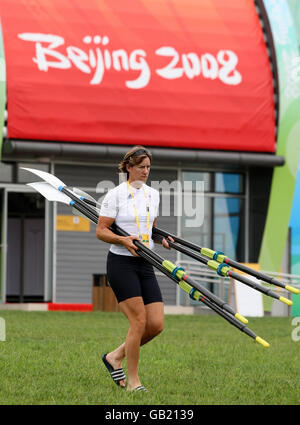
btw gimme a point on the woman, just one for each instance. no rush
(134, 207)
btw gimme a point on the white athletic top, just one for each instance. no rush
(118, 204)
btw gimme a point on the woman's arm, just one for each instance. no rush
(104, 233)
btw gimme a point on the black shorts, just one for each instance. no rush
(132, 277)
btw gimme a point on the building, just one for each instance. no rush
(199, 86)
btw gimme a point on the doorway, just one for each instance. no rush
(25, 247)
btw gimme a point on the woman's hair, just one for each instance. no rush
(134, 157)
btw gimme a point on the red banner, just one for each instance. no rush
(178, 73)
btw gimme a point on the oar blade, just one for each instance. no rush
(50, 193)
(49, 178)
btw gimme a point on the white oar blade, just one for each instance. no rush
(49, 178)
(50, 193)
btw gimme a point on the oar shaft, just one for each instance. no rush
(188, 279)
(225, 260)
(259, 275)
(79, 201)
(254, 285)
(231, 319)
(90, 202)
(188, 252)
(220, 257)
(258, 287)
(92, 214)
(176, 239)
(84, 211)
(143, 249)
(233, 274)
(218, 301)
(207, 293)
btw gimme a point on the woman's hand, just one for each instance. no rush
(127, 241)
(165, 242)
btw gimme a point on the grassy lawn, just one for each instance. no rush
(55, 358)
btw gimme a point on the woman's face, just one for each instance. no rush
(139, 172)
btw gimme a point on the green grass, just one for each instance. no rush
(54, 358)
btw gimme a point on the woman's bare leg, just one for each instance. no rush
(154, 325)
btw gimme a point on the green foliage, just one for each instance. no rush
(55, 358)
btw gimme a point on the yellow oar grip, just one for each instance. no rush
(286, 301)
(292, 289)
(241, 318)
(262, 342)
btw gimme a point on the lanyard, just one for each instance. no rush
(135, 208)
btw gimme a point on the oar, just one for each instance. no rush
(90, 212)
(180, 274)
(196, 295)
(224, 270)
(220, 257)
(52, 194)
(86, 198)
(61, 187)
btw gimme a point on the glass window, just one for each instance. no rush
(223, 221)
(228, 235)
(6, 173)
(200, 232)
(200, 235)
(229, 183)
(195, 176)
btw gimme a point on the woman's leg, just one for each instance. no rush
(154, 325)
(154, 321)
(135, 311)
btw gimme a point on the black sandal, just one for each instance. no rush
(116, 374)
(140, 388)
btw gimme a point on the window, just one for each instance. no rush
(6, 173)
(196, 176)
(24, 176)
(229, 183)
(223, 224)
(228, 235)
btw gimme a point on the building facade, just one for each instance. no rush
(79, 95)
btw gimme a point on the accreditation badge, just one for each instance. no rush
(145, 239)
